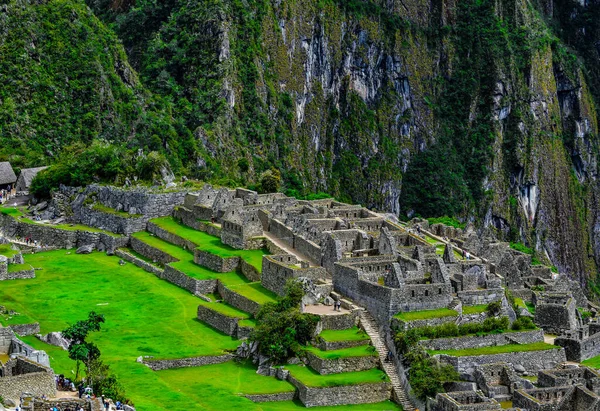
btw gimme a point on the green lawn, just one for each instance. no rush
(225, 380)
(7, 319)
(499, 349)
(186, 262)
(18, 215)
(253, 291)
(210, 243)
(426, 314)
(593, 362)
(145, 316)
(7, 251)
(474, 309)
(360, 351)
(351, 334)
(311, 378)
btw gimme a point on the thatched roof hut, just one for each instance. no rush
(26, 176)
(7, 175)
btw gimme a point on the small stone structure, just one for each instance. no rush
(582, 343)
(26, 177)
(463, 401)
(555, 312)
(20, 375)
(562, 390)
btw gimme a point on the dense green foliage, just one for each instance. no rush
(282, 329)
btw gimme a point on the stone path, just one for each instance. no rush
(288, 249)
(324, 310)
(370, 326)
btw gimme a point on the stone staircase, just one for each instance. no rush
(369, 324)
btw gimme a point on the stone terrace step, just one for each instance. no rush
(369, 324)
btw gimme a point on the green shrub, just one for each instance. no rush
(494, 308)
(522, 248)
(281, 328)
(523, 323)
(449, 221)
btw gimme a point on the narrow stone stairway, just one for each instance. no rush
(369, 324)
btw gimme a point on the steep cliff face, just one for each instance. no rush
(482, 109)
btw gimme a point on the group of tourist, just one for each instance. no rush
(64, 384)
(5, 195)
(30, 241)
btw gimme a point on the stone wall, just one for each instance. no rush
(276, 273)
(138, 262)
(189, 218)
(338, 345)
(136, 200)
(340, 321)
(170, 237)
(282, 396)
(282, 232)
(556, 317)
(56, 237)
(194, 286)
(579, 349)
(339, 365)
(64, 404)
(480, 297)
(249, 271)
(158, 365)
(238, 301)
(308, 248)
(460, 343)
(532, 361)
(151, 253)
(349, 394)
(221, 322)
(215, 262)
(22, 375)
(273, 248)
(399, 324)
(114, 223)
(26, 329)
(17, 275)
(21, 349)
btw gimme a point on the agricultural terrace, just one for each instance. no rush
(147, 316)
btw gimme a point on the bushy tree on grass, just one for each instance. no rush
(281, 328)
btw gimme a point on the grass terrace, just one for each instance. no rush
(7, 251)
(225, 309)
(107, 210)
(499, 349)
(13, 268)
(474, 309)
(593, 362)
(7, 319)
(20, 216)
(360, 351)
(351, 334)
(251, 290)
(186, 262)
(311, 378)
(426, 314)
(207, 242)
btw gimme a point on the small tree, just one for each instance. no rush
(80, 349)
(270, 181)
(282, 329)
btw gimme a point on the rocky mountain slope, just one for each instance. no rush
(477, 108)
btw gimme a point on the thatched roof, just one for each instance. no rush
(27, 175)
(7, 175)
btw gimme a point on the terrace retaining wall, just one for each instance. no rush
(17, 275)
(159, 365)
(338, 345)
(339, 365)
(215, 319)
(37, 383)
(170, 237)
(532, 361)
(349, 394)
(282, 396)
(215, 262)
(461, 343)
(56, 237)
(151, 252)
(26, 329)
(237, 300)
(138, 262)
(249, 271)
